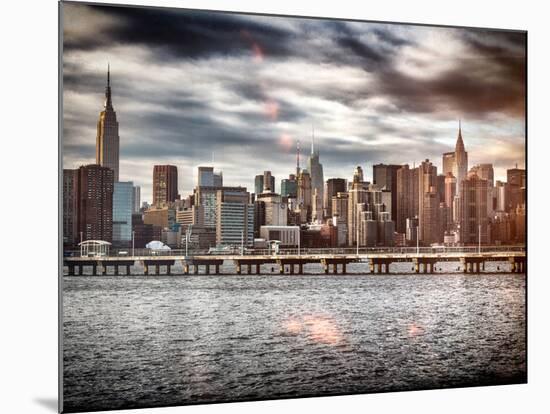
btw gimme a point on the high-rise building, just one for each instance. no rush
(485, 172)
(235, 218)
(276, 211)
(516, 176)
(165, 184)
(428, 203)
(289, 187)
(304, 196)
(516, 183)
(70, 198)
(208, 178)
(95, 202)
(264, 183)
(340, 207)
(269, 182)
(123, 198)
(407, 196)
(460, 170)
(501, 191)
(317, 181)
(332, 188)
(136, 199)
(448, 162)
(450, 193)
(385, 177)
(473, 210)
(357, 197)
(107, 139)
(206, 197)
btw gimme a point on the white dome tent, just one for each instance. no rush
(157, 245)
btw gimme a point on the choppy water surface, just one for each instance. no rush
(152, 341)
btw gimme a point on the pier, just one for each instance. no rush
(291, 261)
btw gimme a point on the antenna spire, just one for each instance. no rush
(108, 102)
(298, 158)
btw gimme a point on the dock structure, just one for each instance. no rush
(376, 261)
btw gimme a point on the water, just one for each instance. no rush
(155, 341)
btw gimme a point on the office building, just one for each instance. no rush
(95, 202)
(473, 210)
(407, 196)
(448, 163)
(485, 172)
(165, 184)
(235, 218)
(289, 187)
(136, 199)
(332, 188)
(385, 177)
(70, 202)
(107, 138)
(289, 236)
(123, 200)
(208, 178)
(315, 169)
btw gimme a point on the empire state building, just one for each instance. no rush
(107, 141)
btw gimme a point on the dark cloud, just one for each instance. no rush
(179, 33)
(235, 85)
(487, 78)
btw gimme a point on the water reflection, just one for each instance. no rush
(318, 328)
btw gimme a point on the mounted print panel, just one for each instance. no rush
(261, 207)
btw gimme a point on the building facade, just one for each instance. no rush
(123, 205)
(95, 202)
(332, 188)
(235, 219)
(107, 138)
(473, 210)
(70, 203)
(385, 177)
(165, 184)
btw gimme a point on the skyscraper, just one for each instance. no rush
(136, 199)
(448, 162)
(289, 187)
(407, 197)
(95, 202)
(269, 182)
(304, 196)
(208, 178)
(123, 198)
(70, 198)
(485, 172)
(428, 203)
(264, 183)
(333, 187)
(317, 180)
(165, 184)
(460, 170)
(516, 180)
(235, 218)
(385, 177)
(473, 210)
(107, 139)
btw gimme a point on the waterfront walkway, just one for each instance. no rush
(291, 261)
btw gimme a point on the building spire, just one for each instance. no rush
(108, 101)
(298, 158)
(312, 140)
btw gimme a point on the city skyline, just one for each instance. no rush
(192, 104)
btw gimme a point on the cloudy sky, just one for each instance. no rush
(237, 92)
